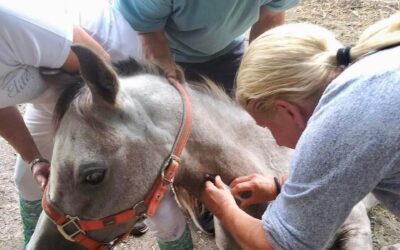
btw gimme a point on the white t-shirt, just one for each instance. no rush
(39, 34)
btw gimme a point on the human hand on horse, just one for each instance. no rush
(156, 48)
(14, 130)
(41, 172)
(262, 188)
(218, 198)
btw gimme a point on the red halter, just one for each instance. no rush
(74, 229)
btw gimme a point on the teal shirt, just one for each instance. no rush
(198, 30)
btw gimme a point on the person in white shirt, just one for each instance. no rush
(36, 34)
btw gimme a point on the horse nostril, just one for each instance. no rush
(95, 176)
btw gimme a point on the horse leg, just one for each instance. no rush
(355, 233)
(169, 226)
(47, 237)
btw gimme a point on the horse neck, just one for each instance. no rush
(225, 140)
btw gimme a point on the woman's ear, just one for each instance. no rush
(293, 112)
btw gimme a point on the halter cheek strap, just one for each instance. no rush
(74, 229)
(160, 188)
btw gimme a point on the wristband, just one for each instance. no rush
(277, 185)
(36, 161)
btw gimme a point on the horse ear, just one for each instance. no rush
(98, 75)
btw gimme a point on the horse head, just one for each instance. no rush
(110, 145)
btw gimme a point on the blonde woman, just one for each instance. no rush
(339, 109)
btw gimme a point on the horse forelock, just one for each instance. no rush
(76, 98)
(132, 67)
(68, 95)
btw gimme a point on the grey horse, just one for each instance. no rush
(115, 132)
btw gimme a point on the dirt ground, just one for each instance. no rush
(347, 18)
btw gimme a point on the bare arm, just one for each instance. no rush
(267, 20)
(247, 231)
(14, 130)
(156, 48)
(80, 36)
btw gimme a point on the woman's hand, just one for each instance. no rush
(41, 172)
(247, 231)
(262, 188)
(218, 198)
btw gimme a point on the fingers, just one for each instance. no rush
(241, 179)
(209, 185)
(251, 177)
(41, 174)
(42, 181)
(242, 187)
(170, 73)
(219, 183)
(43, 185)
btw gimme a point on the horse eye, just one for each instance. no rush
(95, 176)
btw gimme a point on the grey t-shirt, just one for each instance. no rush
(351, 147)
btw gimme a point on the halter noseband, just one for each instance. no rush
(74, 229)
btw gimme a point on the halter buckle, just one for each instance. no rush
(70, 232)
(140, 209)
(167, 164)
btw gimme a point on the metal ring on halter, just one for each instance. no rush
(140, 209)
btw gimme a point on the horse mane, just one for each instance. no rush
(209, 87)
(132, 67)
(77, 95)
(204, 85)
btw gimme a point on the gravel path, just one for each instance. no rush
(346, 17)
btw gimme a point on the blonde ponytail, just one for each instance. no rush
(381, 35)
(290, 62)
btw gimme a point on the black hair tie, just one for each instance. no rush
(343, 56)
